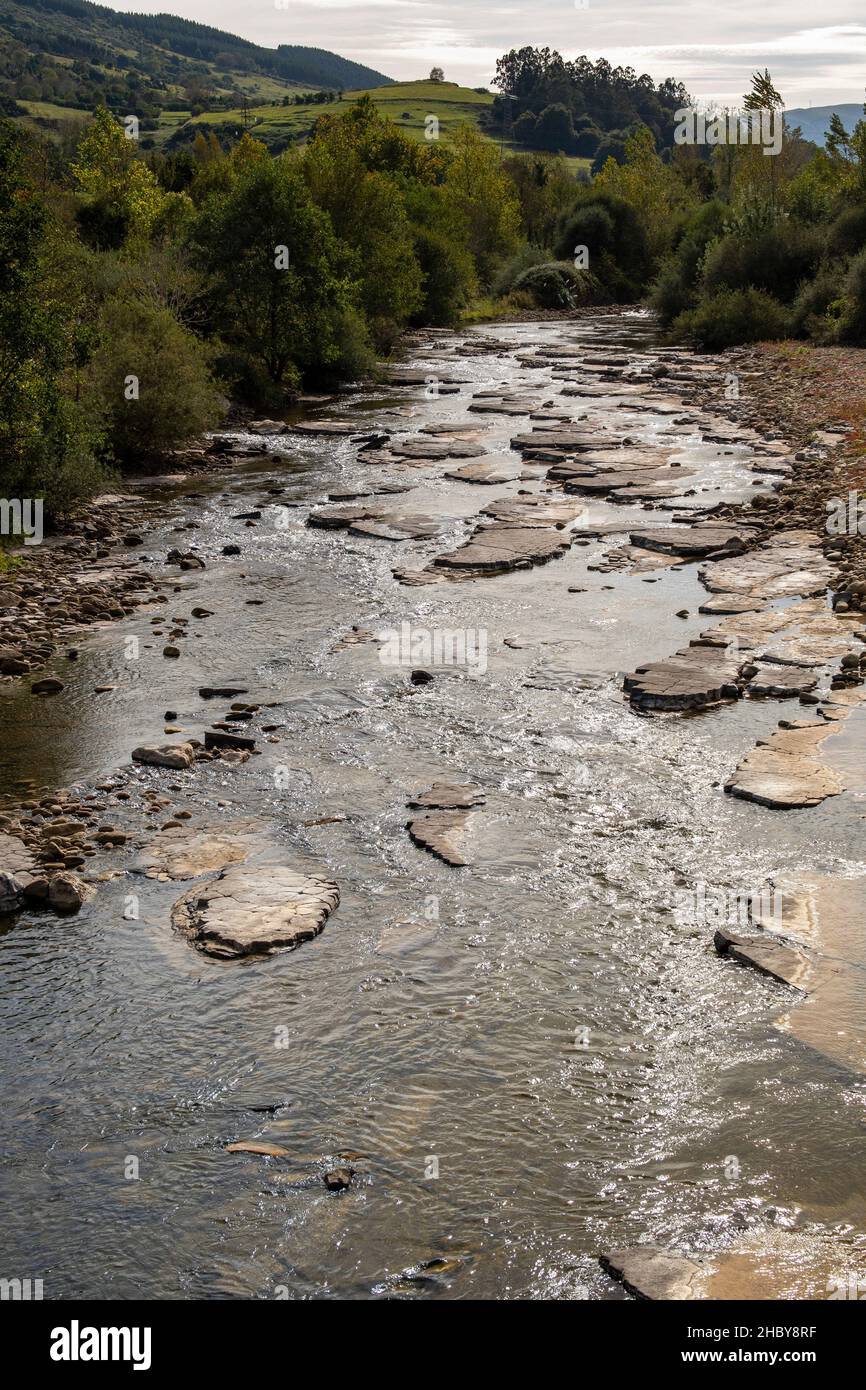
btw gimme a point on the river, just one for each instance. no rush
(527, 1060)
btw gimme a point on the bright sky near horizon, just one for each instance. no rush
(711, 48)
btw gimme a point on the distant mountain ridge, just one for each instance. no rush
(814, 121)
(70, 51)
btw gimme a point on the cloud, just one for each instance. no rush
(404, 38)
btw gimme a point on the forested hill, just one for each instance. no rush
(71, 52)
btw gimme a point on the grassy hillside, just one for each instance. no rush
(74, 54)
(408, 104)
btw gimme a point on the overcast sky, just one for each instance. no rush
(711, 47)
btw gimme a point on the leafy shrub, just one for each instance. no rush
(730, 317)
(177, 398)
(776, 259)
(852, 326)
(614, 234)
(675, 287)
(448, 277)
(847, 235)
(524, 259)
(814, 312)
(558, 285)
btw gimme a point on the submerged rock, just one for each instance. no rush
(338, 1179)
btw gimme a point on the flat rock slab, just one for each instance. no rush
(782, 960)
(649, 1272)
(255, 910)
(539, 509)
(613, 388)
(421, 376)
(460, 429)
(392, 526)
(782, 772)
(500, 547)
(790, 565)
(449, 796)
(327, 427)
(563, 439)
(506, 404)
(443, 833)
(690, 541)
(15, 858)
(340, 518)
(181, 855)
(433, 450)
(724, 605)
(781, 682)
(489, 471)
(691, 679)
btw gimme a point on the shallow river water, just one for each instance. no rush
(530, 1060)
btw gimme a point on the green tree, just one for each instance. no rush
(149, 380)
(278, 275)
(482, 201)
(121, 197)
(46, 450)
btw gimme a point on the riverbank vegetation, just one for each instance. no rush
(145, 291)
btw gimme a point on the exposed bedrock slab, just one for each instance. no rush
(326, 427)
(789, 565)
(783, 773)
(769, 1264)
(500, 546)
(561, 439)
(255, 910)
(783, 960)
(443, 833)
(375, 521)
(421, 376)
(633, 483)
(691, 679)
(181, 854)
(433, 450)
(612, 388)
(503, 403)
(697, 540)
(536, 509)
(450, 796)
(469, 430)
(648, 1271)
(393, 526)
(337, 518)
(781, 682)
(486, 471)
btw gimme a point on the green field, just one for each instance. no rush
(407, 104)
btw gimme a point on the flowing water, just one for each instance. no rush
(530, 1059)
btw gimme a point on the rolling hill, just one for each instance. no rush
(71, 54)
(814, 121)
